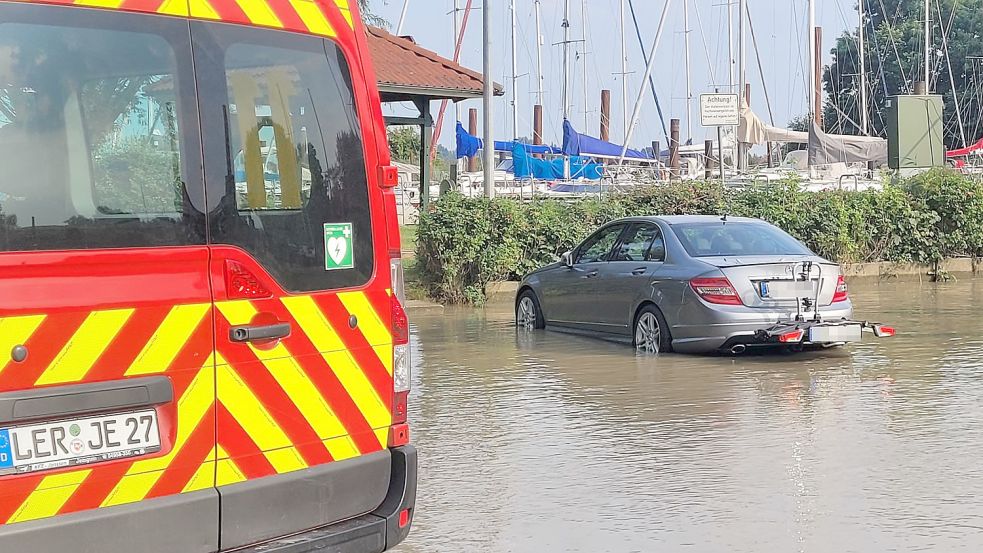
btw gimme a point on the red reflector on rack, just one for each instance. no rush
(792, 337)
(404, 518)
(882, 331)
(399, 435)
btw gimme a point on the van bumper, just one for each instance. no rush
(370, 533)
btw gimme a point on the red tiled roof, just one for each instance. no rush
(400, 62)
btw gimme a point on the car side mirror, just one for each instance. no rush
(567, 259)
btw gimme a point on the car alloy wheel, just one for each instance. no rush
(648, 333)
(526, 315)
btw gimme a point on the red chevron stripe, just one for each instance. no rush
(382, 303)
(328, 385)
(357, 346)
(47, 341)
(15, 491)
(240, 447)
(96, 488)
(190, 359)
(287, 15)
(184, 465)
(128, 344)
(148, 6)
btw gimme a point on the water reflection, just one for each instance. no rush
(549, 442)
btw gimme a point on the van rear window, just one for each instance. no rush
(91, 132)
(291, 175)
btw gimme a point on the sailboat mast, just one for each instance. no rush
(583, 17)
(457, 33)
(730, 43)
(566, 59)
(624, 71)
(928, 45)
(539, 55)
(864, 117)
(515, 79)
(689, 73)
(811, 69)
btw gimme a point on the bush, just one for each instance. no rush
(464, 244)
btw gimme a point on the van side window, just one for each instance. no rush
(90, 140)
(296, 198)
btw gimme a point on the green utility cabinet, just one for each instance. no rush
(914, 127)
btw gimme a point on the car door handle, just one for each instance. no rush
(242, 334)
(591, 274)
(639, 271)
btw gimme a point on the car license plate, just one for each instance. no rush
(787, 289)
(838, 333)
(72, 442)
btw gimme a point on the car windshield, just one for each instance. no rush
(719, 239)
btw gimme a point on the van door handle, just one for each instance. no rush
(640, 271)
(241, 334)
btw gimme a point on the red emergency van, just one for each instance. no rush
(203, 345)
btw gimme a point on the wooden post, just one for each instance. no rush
(657, 154)
(606, 115)
(426, 165)
(819, 78)
(708, 159)
(537, 124)
(674, 147)
(771, 154)
(473, 129)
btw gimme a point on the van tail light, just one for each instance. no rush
(842, 292)
(716, 290)
(242, 284)
(402, 376)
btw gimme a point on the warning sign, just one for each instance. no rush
(719, 110)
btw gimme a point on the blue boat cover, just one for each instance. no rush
(468, 145)
(575, 144)
(525, 166)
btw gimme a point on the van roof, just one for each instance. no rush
(330, 18)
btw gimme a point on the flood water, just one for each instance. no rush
(548, 442)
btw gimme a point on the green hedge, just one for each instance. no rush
(463, 244)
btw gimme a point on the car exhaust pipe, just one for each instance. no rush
(738, 349)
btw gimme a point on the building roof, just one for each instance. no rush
(405, 69)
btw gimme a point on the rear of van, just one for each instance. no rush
(203, 345)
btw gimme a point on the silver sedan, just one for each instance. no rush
(694, 284)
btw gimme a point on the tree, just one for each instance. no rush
(369, 17)
(404, 144)
(895, 59)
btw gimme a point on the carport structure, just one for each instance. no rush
(408, 73)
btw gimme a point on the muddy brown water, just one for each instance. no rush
(549, 442)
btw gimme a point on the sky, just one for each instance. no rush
(779, 26)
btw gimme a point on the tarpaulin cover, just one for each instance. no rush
(525, 166)
(575, 144)
(969, 150)
(468, 145)
(752, 130)
(825, 149)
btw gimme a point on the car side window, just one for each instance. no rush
(598, 247)
(643, 243)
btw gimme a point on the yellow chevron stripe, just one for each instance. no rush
(285, 460)
(226, 471)
(291, 377)
(85, 347)
(368, 320)
(167, 341)
(50, 496)
(248, 411)
(382, 434)
(319, 330)
(131, 488)
(114, 4)
(15, 331)
(385, 354)
(346, 11)
(202, 9)
(174, 7)
(259, 12)
(312, 16)
(204, 477)
(342, 448)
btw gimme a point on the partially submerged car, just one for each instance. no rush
(694, 284)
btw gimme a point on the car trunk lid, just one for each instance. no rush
(769, 282)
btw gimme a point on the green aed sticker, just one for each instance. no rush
(338, 251)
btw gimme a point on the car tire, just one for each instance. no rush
(650, 332)
(528, 313)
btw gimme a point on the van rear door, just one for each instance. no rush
(106, 329)
(300, 273)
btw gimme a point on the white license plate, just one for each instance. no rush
(838, 333)
(788, 289)
(67, 443)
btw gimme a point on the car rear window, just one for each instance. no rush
(285, 155)
(719, 239)
(92, 145)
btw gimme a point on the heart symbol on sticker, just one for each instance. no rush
(337, 249)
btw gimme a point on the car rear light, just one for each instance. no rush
(882, 331)
(716, 290)
(792, 337)
(842, 292)
(241, 283)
